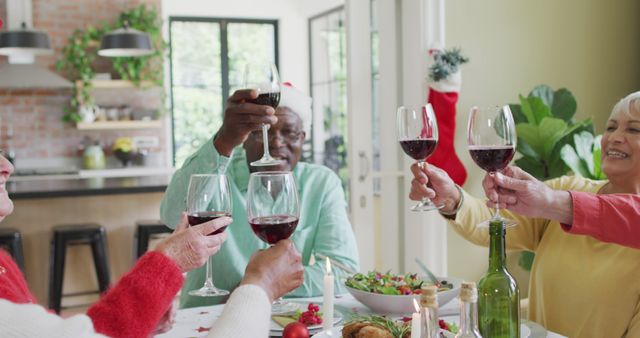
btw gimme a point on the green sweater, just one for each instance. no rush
(323, 228)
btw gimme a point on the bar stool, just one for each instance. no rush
(12, 240)
(145, 231)
(79, 234)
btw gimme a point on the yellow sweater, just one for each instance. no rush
(579, 286)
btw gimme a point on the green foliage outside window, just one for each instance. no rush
(198, 92)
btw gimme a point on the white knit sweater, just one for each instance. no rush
(32, 320)
(246, 314)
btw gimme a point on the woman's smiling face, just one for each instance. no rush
(621, 141)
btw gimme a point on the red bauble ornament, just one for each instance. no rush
(295, 330)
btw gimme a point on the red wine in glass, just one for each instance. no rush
(208, 198)
(492, 138)
(417, 131)
(206, 216)
(419, 149)
(272, 229)
(263, 77)
(273, 212)
(492, 158)
(271, 99)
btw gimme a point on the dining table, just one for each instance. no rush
(197, 321)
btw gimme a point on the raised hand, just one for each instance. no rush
(435, 184)
(240, 119)
(516, 190)
(190, 247)
(277, 270)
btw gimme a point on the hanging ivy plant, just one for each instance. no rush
(145, 68)
(79, 54)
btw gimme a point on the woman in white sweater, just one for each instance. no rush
(270, 274)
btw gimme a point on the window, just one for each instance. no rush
(328, 55)
(208, 56)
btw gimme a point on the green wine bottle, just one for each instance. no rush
(498, 293)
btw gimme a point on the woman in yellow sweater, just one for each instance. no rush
(579, 286)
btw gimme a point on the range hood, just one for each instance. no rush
(23, 76)
(21, 71)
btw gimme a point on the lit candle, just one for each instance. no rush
(327, 302)
(416, 321)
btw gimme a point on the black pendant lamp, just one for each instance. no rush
(24, 41)
(125, 42)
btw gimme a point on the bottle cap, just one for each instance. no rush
(429, 297)
(429, 290)
(468, 292)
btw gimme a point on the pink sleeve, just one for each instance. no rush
(609, 218)
(135, 305)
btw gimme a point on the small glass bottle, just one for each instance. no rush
(468, 311)
(429, 304)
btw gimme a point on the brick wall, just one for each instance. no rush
(35, 115)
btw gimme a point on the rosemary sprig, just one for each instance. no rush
(397, 329)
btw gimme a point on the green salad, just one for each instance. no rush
(391, 284)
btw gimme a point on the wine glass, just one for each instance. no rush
(273, 213)
(418, 137)
(263, 78)
(491, 136)
(208, 198)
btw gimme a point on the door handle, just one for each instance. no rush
(365, 166)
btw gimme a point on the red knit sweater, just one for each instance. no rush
(132, 308)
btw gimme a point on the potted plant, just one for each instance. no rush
(551, 142)
(79, 55)
(124, 150)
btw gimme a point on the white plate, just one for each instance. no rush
(525, 332)
(276, 330)
(335, 332)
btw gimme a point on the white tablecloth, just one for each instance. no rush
(195, 322)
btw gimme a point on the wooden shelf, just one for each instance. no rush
(117, 84)
(114, 125)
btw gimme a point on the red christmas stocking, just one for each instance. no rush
(444, 105)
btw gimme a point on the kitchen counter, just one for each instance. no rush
(73, 187)
(117, 203)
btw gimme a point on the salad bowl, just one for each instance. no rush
(394, 294)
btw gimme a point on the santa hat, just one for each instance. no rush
(298, 102)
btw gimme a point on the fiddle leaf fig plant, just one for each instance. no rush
(547, 133)
(545, 123)
(583, 157)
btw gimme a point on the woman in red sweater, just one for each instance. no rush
(134, 306)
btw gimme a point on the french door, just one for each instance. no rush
(387, 43)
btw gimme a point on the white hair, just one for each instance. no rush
(624, 105)
(299, 103)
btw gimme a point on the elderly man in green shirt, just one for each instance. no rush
(323, 228)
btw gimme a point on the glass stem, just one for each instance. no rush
(265, 140)
(422, 164)
(496, 214)
(209, 268)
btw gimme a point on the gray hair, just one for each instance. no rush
(624, 105)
